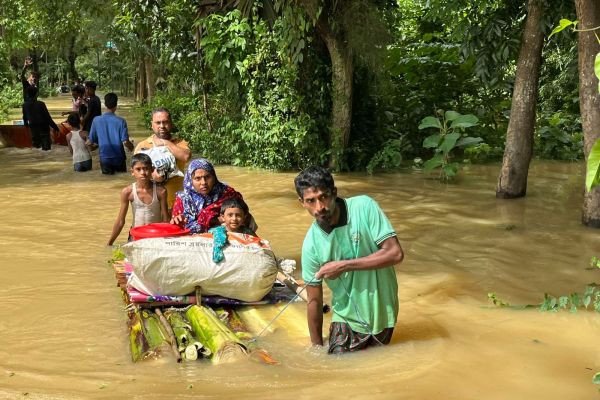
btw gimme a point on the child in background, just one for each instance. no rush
(148, 201)
(82, 158)
(234, 218)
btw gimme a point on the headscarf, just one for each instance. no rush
(200, 210)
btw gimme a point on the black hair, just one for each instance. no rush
(234, 203)
(90, 84)
(110, 100)
(141, 158)
(314, 177)
(77, 89)
(31, 92)
(73, 120)
(161, 109)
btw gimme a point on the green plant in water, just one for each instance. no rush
(450, 126)
(117, 255)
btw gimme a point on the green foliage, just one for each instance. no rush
(390, 157)
(592, 177)
(11, 96)
(117, 255)
(595, 262)
(589, 298)
(559, 137)
(496, 301)
(450, 136)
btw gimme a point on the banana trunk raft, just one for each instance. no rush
(194, 327)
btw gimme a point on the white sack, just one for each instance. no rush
(175, 266)
(164, 161)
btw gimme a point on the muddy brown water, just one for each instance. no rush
(63, 327)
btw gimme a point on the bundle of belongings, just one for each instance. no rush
(178, 266)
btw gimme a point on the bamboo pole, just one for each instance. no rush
(137, 341)
(189, 347)
(214, 334)
(170, 336)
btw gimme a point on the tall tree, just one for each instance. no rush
(588, 14)
(326, 14)
(512, 181)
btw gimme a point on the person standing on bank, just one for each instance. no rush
(109, 132)
(177, 148)
(353, 247)
(92, 104)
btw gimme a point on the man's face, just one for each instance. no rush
(32, 79)
(320, 204)
(161, 125)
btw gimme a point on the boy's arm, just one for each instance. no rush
(162, 198)
(92, 141)
(120, 221)
(314, 313)
(69, 135)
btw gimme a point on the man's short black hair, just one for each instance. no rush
(73, 120)
(161, 109)
(234, 203)
(314, 177)
(90, 84)
(110, 100)
(141, 158)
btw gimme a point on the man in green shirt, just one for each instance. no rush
(353, 247)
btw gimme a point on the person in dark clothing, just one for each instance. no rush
(37, 118)
(94, 107)
(31, 80)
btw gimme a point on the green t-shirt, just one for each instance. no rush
(374, 293)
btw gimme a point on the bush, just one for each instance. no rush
(11, 96)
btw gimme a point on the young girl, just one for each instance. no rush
(148, 201)
(82, 158)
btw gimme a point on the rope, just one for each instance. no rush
(282, 310)
(361, 321)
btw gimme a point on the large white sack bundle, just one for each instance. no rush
(175, 266)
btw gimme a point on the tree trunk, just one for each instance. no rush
(512, 181)
(342, 70)
(71, 57)
(588, 15)
(150, 82)
(141, 93)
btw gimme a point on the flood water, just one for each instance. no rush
(63, 328)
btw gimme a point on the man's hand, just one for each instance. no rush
(157, 176)
(332, 270)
